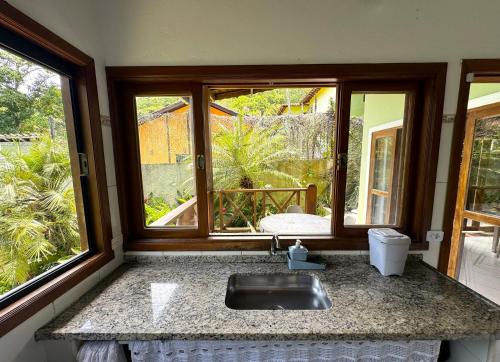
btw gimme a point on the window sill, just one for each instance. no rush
(24, 308)
(252, 243)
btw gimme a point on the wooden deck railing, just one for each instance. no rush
(178, 214)
(476, 213)
(267, 197)
(258, 199)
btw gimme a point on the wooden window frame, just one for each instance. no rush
(415, 145)
(134, 215)
(84, 96)
(482, 70)
(430, 78)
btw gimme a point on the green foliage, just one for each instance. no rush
(38, 220)
(29, 96)
(183, 195)
(47, 113)
(353, 163)
(243, 156)
(264, 103)
(484, 184)
(146, 105)
(155, 207)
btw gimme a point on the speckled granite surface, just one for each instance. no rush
(183, 298)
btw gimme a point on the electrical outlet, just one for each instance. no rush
(435, 235)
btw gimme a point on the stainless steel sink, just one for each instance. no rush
(276, 291)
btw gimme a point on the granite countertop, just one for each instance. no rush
(183, 298)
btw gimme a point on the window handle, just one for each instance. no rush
(341, 161)
(84, 164)
(200, 162)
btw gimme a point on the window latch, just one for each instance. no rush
(200, 162)
(341, 161)
(84, 164)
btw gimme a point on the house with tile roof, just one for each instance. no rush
(165, 135)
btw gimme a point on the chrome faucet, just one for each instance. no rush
(275, 245)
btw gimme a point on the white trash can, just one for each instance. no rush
(388, 250)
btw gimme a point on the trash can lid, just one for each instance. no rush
(389, 236)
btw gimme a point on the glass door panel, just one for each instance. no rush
(383, 162)
(381, 177)
(478, 265)
(378, 209)
(476, 226)
(483, 194)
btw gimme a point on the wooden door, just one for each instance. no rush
(478, 194)
(383, 160)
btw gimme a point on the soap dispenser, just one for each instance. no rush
(297, 251)
(298, 258)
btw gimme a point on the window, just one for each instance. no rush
(272, 155)
(377, 133)
(42, 219)
(54, 210)
(375, 158)
(318, 157)
(167, 159)
(166, 162)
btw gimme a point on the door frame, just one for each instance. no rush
(486, 70)
(456, 247)
(387, 132)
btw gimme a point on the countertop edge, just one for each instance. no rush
(260, 337)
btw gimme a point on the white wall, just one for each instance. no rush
(193, 32)
(19, 344)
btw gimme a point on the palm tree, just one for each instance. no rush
(245, 156)
(38, 220)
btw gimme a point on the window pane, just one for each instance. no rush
(166, 151)
(484, 178)
(42, 223)
(382, 167)
(378, 209)
(374, 159)
(272, 159)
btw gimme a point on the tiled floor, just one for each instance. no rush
(480, 269)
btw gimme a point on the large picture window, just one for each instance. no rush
(55, 227)
(216, 165)
(42, 219)
(42, 176)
